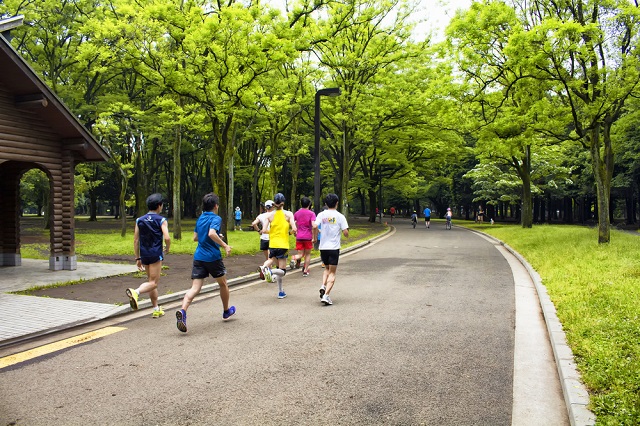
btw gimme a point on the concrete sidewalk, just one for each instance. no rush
(34, 316)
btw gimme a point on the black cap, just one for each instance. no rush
(278, 198)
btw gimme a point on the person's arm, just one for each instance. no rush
(213, 234)
(292, 222)
(345, 232)
(136, 246)
(269, 220)
(255, 224)
(314, 228)
(195, 236)
(165, 234)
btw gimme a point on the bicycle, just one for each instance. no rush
(447, 225)
(414, 221)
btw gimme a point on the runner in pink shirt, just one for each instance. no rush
(304, 238)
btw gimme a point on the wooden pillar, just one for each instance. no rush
(55, 212)
(69, 260)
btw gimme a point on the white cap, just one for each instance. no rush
(268, 204)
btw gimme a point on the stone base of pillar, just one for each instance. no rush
(55, 263)
(70, 263)
(10, 259)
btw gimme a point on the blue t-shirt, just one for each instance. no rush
(238, 214)
(427, 212)
(150, 232)
(207, 250)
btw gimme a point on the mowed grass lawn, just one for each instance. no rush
(596, 291)
(106, 240)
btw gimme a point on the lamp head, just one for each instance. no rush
(330, 91)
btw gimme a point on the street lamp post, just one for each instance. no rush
(332, 91)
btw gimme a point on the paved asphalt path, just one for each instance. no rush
(421, 332)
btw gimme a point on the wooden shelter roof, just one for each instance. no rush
(28, 89)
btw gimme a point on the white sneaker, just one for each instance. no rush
(322, 290)
(292, 264)
(326, 300)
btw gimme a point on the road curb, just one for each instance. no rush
(575, 393)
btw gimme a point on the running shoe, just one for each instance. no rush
(267, 274)
(157, 313)
(322, 290)
(181, 316)
(226, 314)
(282, 295)
(305, 274)
(326, 300)
(133, 298)
(292, 264)
(260, 272)
(298, 263)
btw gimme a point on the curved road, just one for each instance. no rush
(422, 331)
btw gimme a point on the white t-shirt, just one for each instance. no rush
(331, 223)
(262, 217)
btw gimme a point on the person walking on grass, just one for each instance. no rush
(304, 238)
(238, 219)
(207, 260)
(280, 220)
(261, 224)
(150, 231)
(334, 226)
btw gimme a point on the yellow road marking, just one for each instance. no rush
(57, 346)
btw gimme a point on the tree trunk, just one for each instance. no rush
(123, 207)
(602, 163)
(344, 184)
(372, 205)
(141, 187)
(176, 206)
(230, 189)
(220, 150)
(295, 171)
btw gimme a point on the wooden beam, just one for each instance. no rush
(77, 144)
(31, 101)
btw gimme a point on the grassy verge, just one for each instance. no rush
(595, 289)
(106, 242)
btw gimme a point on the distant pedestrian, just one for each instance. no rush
(392, 212)
(280, 220)
(150, 231)
(261, 224)
(414, 218)
(334, 226)
(207, 260)
(238, 219)
(427, 217)
(480, 214)
(304, 237)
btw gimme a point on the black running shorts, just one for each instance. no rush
(278, 253)
(330, 257)
(150, 260)
(202, 269)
